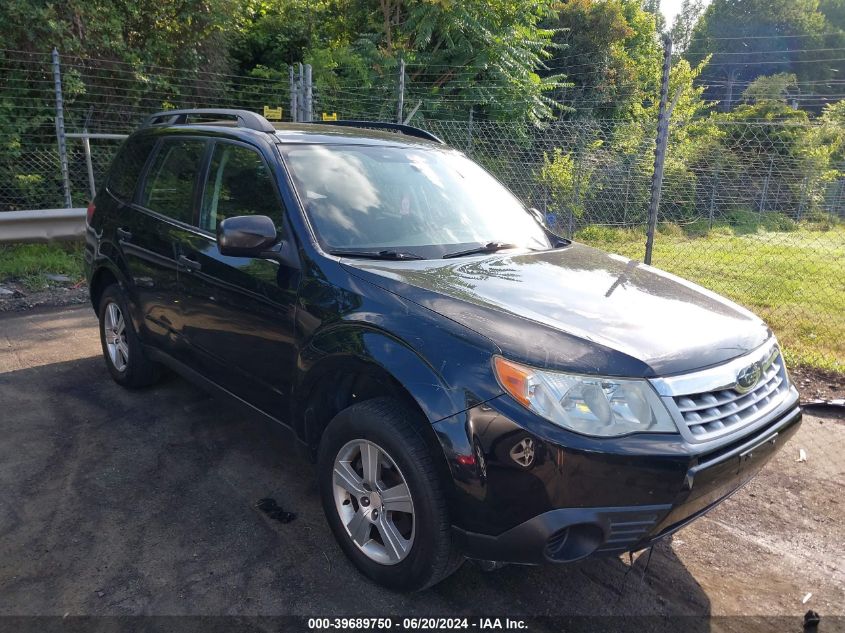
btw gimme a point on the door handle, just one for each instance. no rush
(188, 264)
(123, 234)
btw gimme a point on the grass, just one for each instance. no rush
(30, 263)
(793, 279)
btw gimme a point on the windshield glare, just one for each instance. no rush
(428, 201)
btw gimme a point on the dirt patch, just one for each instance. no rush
(15, 296)
(817, 384)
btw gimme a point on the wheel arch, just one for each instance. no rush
(103, 276)
(106, 272)
(353, 364)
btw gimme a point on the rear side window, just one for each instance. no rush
(239, 183)
(169, 185)
(127, 167)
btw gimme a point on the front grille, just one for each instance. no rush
(717, 413)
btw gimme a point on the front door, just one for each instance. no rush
(238, 312)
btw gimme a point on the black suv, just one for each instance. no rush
(469, 383)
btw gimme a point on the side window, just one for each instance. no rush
(127, 166)
(169, 186)
(239, 183)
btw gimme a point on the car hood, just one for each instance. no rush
(578, 308)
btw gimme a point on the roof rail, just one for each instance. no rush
(409, 130)
(245, 118)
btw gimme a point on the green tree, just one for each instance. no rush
(112, 43)
(749, 38)
(775, 87)
(684, 24)
(475, 53)
(653, 7)
(834, 11)
(484, 53)
(183, 33)
(609, 52)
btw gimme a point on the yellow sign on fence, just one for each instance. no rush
(330, 117)
(274, 114)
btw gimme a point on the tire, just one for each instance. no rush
(125, 359)
(423, 553)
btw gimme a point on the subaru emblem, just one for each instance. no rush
(748, 378)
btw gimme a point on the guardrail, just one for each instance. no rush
(43, 225)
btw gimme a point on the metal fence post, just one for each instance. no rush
(89, 164)
(803, 198)
(469, 133)
(626, 201)
(659, 149)
(400, 104)
(712, 211)
(60, 128)
(300, 89)
(293, 104)
(575, 195)
(766, 186)
(309, 95)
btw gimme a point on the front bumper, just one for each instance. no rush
(571, 500)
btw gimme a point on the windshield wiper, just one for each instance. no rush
(386, 254)
(490, 247)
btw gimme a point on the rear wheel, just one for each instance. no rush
(383, 497)
(122, 349)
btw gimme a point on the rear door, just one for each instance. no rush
(151, 231)
(121, 222)
(238, 312)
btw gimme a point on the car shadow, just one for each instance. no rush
(145, 502)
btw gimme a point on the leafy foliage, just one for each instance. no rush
(609, 52)
(480, 53)
(684, 24)
(749, 38)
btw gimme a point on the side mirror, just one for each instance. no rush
(246, 235)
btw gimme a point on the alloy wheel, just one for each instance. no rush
(374, 502)
(114, 331)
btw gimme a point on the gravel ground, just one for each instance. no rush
(15, 296)
(115, 502)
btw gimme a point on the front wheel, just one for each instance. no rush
(383, 496)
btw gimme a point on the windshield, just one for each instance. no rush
(424, 201)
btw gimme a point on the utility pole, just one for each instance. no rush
(401, 97)
(659, 149)
(60, 128)
(729, 91)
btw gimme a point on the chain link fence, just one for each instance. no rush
(754, 210)
(102, 97)
(745, 215)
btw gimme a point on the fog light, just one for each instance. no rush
(574, 542)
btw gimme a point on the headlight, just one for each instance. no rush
(592, 405)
